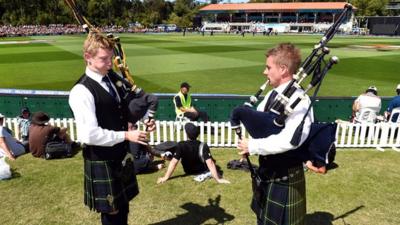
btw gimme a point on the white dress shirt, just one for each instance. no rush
(82, 104)
(279, 143)
(370, 101)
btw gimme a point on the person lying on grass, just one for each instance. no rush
(196, 158)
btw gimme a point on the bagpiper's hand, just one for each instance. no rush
(150, 125)
(243, 145)
(315, 169)
(136, 136)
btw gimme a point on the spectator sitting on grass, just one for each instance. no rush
(9, 146)
(24, 121)
(196, 158)
(40, 133)
(143, 156)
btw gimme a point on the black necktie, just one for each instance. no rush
(111, 90)
(270, 101)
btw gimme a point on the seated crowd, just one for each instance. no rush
(54, 29)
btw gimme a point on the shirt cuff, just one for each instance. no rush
(120, 136)
(252, 145)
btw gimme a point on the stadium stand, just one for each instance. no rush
(278, 17)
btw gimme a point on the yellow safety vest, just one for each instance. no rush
(186, 103)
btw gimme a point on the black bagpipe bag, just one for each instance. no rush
(320, 143)
(319, 146)
(258, 124)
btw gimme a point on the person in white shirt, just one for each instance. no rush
(9, 146)
(101, 117)
(283, 198)
(367, 106)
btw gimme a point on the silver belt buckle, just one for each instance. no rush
(127, 156)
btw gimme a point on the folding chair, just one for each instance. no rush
(395, 111)
(366, 115)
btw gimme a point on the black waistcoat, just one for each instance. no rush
(110, 115)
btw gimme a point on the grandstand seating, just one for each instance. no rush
(226, 27)
(280, 17)
(216, 27)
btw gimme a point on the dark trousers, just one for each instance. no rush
(121, 218)
(195, 116)
(259, 221)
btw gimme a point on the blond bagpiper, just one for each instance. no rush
(102, 126)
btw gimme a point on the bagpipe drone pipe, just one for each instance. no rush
(139, 102)
(263, 124)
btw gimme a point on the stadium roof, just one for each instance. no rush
(275, 7)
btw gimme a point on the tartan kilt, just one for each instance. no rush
(284, 201)
(108, 185)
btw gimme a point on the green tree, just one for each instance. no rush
(370, 7)
(136, 11)
(154, 12)
(183, 14)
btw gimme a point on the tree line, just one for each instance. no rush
(99, 12)
(123, 12)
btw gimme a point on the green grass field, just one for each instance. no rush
(362, 190)
(218, 64)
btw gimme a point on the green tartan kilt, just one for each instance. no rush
(284, 201)
(108, 185)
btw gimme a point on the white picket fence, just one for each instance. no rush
(368, 135)
(220, 134)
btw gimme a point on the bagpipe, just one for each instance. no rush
(139, 102)
(320, 141)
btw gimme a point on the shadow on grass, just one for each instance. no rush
(197, 214)
(15, 173)
(326, 218)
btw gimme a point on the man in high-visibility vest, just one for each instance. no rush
(183, 105)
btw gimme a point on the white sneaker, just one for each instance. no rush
(202, 177)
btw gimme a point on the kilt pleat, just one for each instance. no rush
(285, 200)
(107, 185)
